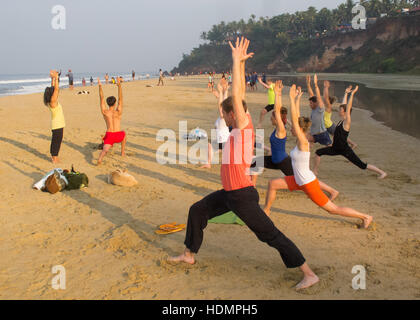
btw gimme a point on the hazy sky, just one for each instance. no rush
(119, 35)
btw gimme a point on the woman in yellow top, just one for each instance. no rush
(57, 115)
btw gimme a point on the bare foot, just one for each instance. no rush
(122, 154)
(367, 221)
(334, 195)
(267, 211)
(55, 160)
(182, 258)
(206, 166)
(99, 162)
(354, 146)
(383, 176)
(307, 282)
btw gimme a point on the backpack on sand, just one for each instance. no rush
(76, 180)
(55, 183)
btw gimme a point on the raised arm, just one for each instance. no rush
(328, 105)
(280, 129)
(221, 97)
(263, 84)
(239, 55)
(308, 84)
(346, 93)
(347, 122)
(243, 84)
(120, 96)
(318, 92)
(303, 143)
(101, 97)
(54, 83)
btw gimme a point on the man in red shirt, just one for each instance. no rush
(239, 194)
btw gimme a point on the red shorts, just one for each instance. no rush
(114, 137)
(312, 190)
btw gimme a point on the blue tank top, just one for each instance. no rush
(278, 148)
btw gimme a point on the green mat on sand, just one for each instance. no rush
(227, 218)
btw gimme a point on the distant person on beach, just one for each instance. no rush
(91, 81)
(319, 133)
(271, 99)
(239, 194)
(340, 145)
(57, 116)
(210, 85)
(113, 80)
(160, 78)
(112, 117)
(106, 78)
(84, 82)
(303, 178)
(133, 74)
(264, 78)
(70, 76)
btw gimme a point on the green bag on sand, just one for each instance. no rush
(227, 218)
(76, 180)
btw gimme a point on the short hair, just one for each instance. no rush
(227, 105)
(314, 99)
(332, 99)
(344, 107)
(111, 101)
(283, 110)
(305, 124)
(49, 91)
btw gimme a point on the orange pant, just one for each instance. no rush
(312, 190)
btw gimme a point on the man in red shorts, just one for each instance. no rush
(112, 117)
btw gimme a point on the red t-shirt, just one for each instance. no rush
(237, 158)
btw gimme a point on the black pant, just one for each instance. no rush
(347, 153)
(244, 203)
(57, 138)
(285, 166)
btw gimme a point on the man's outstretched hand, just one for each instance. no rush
(239, 51)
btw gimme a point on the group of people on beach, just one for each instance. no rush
(235, 135)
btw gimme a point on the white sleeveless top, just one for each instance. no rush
(222, 130)
(301, 170)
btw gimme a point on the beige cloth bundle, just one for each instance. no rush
(122, 178)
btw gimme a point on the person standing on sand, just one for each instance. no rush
(319, 133)
(133, 74)
(340, 145)
(70, 76)
(57, 116)
(304, 179)
(106, 78)
(160, 77)
(222, 130)
(238, 194)
(112, 117)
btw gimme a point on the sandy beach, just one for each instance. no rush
(104, 235)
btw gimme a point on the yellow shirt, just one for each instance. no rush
(57, 117)
(327, 119)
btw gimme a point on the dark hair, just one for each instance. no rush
(314, 99)
(332, 99)
(111, 101)
(227, 105)
(344, 107)
(49, 91)
(283, 110)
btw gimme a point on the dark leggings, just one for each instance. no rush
(285, 166)
(347, 153)
(57, 138)
(244, 203)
